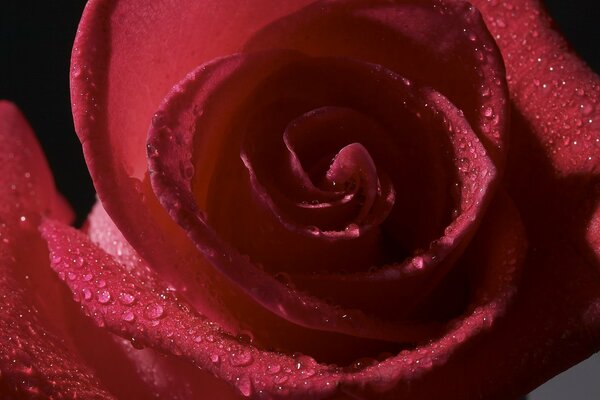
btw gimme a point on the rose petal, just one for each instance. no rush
(26, 181)
(554, 173)
(35, 360)
(163, 321)
(169, 147)
(199, 110)
(267, 330)
(556, 94)
(415, 39)
(157, 317)
(163, 373)
(98, 108)
(117, 81)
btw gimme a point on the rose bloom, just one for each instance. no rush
(307, 199)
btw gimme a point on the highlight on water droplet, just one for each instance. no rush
(103, 296)
(128, 316)
(241, 358)
(87, 293)
(154, 311)
(126, 298)
(244, 385)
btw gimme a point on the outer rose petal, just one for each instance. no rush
(209, 89)
(557, 95)
(117, 81)
(134, 303)
(34, 360)
(556, 267)
(152, 314)
(163, 373)
(122, 66)
(554, 168)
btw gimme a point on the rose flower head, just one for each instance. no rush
(346, 199)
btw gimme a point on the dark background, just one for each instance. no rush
(35, 45)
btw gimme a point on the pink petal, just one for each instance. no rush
(36, 361)
(126, 57)
(169, 147)
(157, 317)
(443, 45)
(153, 315)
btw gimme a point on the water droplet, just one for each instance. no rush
(87, 293)
(245, 336)
(151, 151)
(159, 120)
(459, 337)
(313, 230)
(284, 278)
(198, 339)
(154, 311)
(488, 112)
(186, 170)
(485, 91)
(352, 230)
(101, 283)
(244, 386)
(215, 358)
(103, 296)
(87, 277)
(586, 108)
(128, 316)
(136, 344)
(273, 369)
(243, 358)
(126, 298)
(418, 262)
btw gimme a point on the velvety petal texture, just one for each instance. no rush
(314, 199)
(35, 360)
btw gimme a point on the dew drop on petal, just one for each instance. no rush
(244, 385)
(128, 316)
(154, 311)
(126, 298)
(103, 296)
(242, 358)
(352, 230)
(87, 293)
(273, 369)
(586, 108)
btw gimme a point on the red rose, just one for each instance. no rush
(308, 200)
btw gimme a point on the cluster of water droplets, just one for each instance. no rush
(554, 87)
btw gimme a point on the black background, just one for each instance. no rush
(35, 45)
